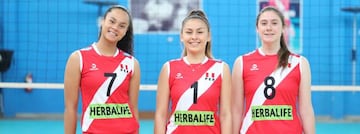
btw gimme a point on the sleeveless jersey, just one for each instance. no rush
(104, 91)
(271, 94)
(194, 93)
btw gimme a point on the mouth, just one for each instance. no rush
(113, 33)
(194, 43)
(269, 34)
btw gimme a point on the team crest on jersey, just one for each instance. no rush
(178, 76)
(93, 67)
(210, 76)
(124, 68)
(254, 67)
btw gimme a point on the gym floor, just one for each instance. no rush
(31, 126)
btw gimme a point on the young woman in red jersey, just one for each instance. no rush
(196, 85)
(108, 78)
(271, 85)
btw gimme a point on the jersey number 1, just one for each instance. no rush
(113, 76)
(195, 87)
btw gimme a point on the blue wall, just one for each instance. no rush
(43, 34)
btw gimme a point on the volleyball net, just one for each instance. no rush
(42, 35)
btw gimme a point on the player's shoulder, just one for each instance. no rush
(88, 48)
(175, 60)
(298, 57)
(249, 53)
(126, 54)
(172, 62)
(218, 61)
(77, 53)
(295, 55)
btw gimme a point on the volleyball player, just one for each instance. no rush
(196, 85)
(273, 83)
(108, 77)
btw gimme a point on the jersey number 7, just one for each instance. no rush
(113, 76)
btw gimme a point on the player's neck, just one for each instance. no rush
(270, 49)
(106, 49)
(195, 59)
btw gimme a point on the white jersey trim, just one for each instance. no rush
(98, 52)
(80, 59)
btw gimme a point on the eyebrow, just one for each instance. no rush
(200, 28)
(113, 18)
(270, 20)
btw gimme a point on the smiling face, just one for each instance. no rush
(114, 25)
(195, 35)
(270, 27)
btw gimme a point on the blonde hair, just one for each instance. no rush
(198, 14)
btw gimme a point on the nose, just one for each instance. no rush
(193, 35)
(114, 27)
(268, 27)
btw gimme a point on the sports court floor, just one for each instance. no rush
(16, 126)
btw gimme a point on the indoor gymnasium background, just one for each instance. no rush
(41, 34)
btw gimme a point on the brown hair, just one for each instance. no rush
(283, 53)
(198, 14)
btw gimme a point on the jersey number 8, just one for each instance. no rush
(269, 85)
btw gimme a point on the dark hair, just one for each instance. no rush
(198, 14)
(126, 44)
(283, 53)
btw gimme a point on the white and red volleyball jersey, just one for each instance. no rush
(194, 93)
(104, 90)
(271, 94)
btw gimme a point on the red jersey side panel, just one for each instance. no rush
(194, 94)
(271, 95)
(104, 89)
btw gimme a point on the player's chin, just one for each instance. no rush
(112, 39)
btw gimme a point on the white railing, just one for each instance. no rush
(153, 87)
